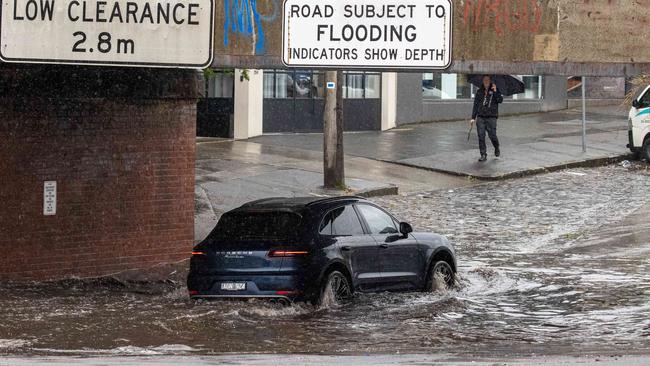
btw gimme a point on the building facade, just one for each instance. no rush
(441, 97)
(291, 101)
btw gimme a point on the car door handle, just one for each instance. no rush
(346, 248)
(383, 246)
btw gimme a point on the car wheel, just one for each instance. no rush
(441, 277)
(645, 150)
(336, 289)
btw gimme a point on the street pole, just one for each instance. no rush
(584, 118)
(332, 134)
(340, 166)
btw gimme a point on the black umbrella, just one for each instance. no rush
(507, 84)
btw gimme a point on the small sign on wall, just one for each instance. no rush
(49, 198)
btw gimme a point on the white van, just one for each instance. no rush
(639, 125)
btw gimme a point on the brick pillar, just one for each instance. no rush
(120, 143)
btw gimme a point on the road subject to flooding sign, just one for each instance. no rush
(365, 34)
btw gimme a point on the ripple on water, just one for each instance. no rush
(534, 272)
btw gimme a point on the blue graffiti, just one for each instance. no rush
(242, 17)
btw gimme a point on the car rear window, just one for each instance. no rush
(257, 225)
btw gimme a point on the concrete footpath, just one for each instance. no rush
(530, 144)
(413, 158)
(230, 173)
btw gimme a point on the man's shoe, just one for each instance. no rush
(497, 152)
(483, 158)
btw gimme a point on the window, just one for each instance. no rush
(644, 100)
(278, 84)
(446, 86)
(353, 87)
(373, 86)
(456, 86)
(326, 225)
(269, 84)
(378, 221)
(318, 85)
(362, 85)
(342, 221)
(302, 84)
(299, 84)
(532, 87)
(283, 85)
(306, 84)
(574, 87)
(432, 86)
(220, 85)
(464, 89)
(256, 225)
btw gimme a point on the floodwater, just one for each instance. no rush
(564, 272)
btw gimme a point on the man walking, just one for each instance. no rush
(485, 114)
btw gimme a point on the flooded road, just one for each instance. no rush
(552, 264)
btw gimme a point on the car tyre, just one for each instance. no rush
(335, 290)
(441, 277)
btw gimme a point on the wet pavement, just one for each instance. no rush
(230, 173)
(530, 143)
(550, 264)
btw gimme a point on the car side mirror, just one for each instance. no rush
(405, 228)
(635, 103)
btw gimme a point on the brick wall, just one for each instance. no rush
(120, 144)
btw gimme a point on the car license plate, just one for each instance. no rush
(233, 286)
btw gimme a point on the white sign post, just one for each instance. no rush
(49, 198)
(158, 33)
(388, 34)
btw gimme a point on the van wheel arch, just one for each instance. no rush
(645, 148)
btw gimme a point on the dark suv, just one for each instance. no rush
(295, 249)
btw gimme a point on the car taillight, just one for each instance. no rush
(198, 253)
(287, 292)
(287, 253)
(193, 292)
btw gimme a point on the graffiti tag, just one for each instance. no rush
(503, 15)
(242, 17)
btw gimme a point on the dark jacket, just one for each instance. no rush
(486, 104)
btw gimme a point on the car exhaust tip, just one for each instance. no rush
(280, 301)
(283, 302)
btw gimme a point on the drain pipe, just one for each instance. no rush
(584, 118)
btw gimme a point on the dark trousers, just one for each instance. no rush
(490, 125)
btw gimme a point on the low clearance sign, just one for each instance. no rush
(162, 33)
(391, 34)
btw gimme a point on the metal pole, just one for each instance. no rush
(584, 118)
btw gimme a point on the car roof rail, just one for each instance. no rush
(262, 200)
(306, 201)
(333, 199)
